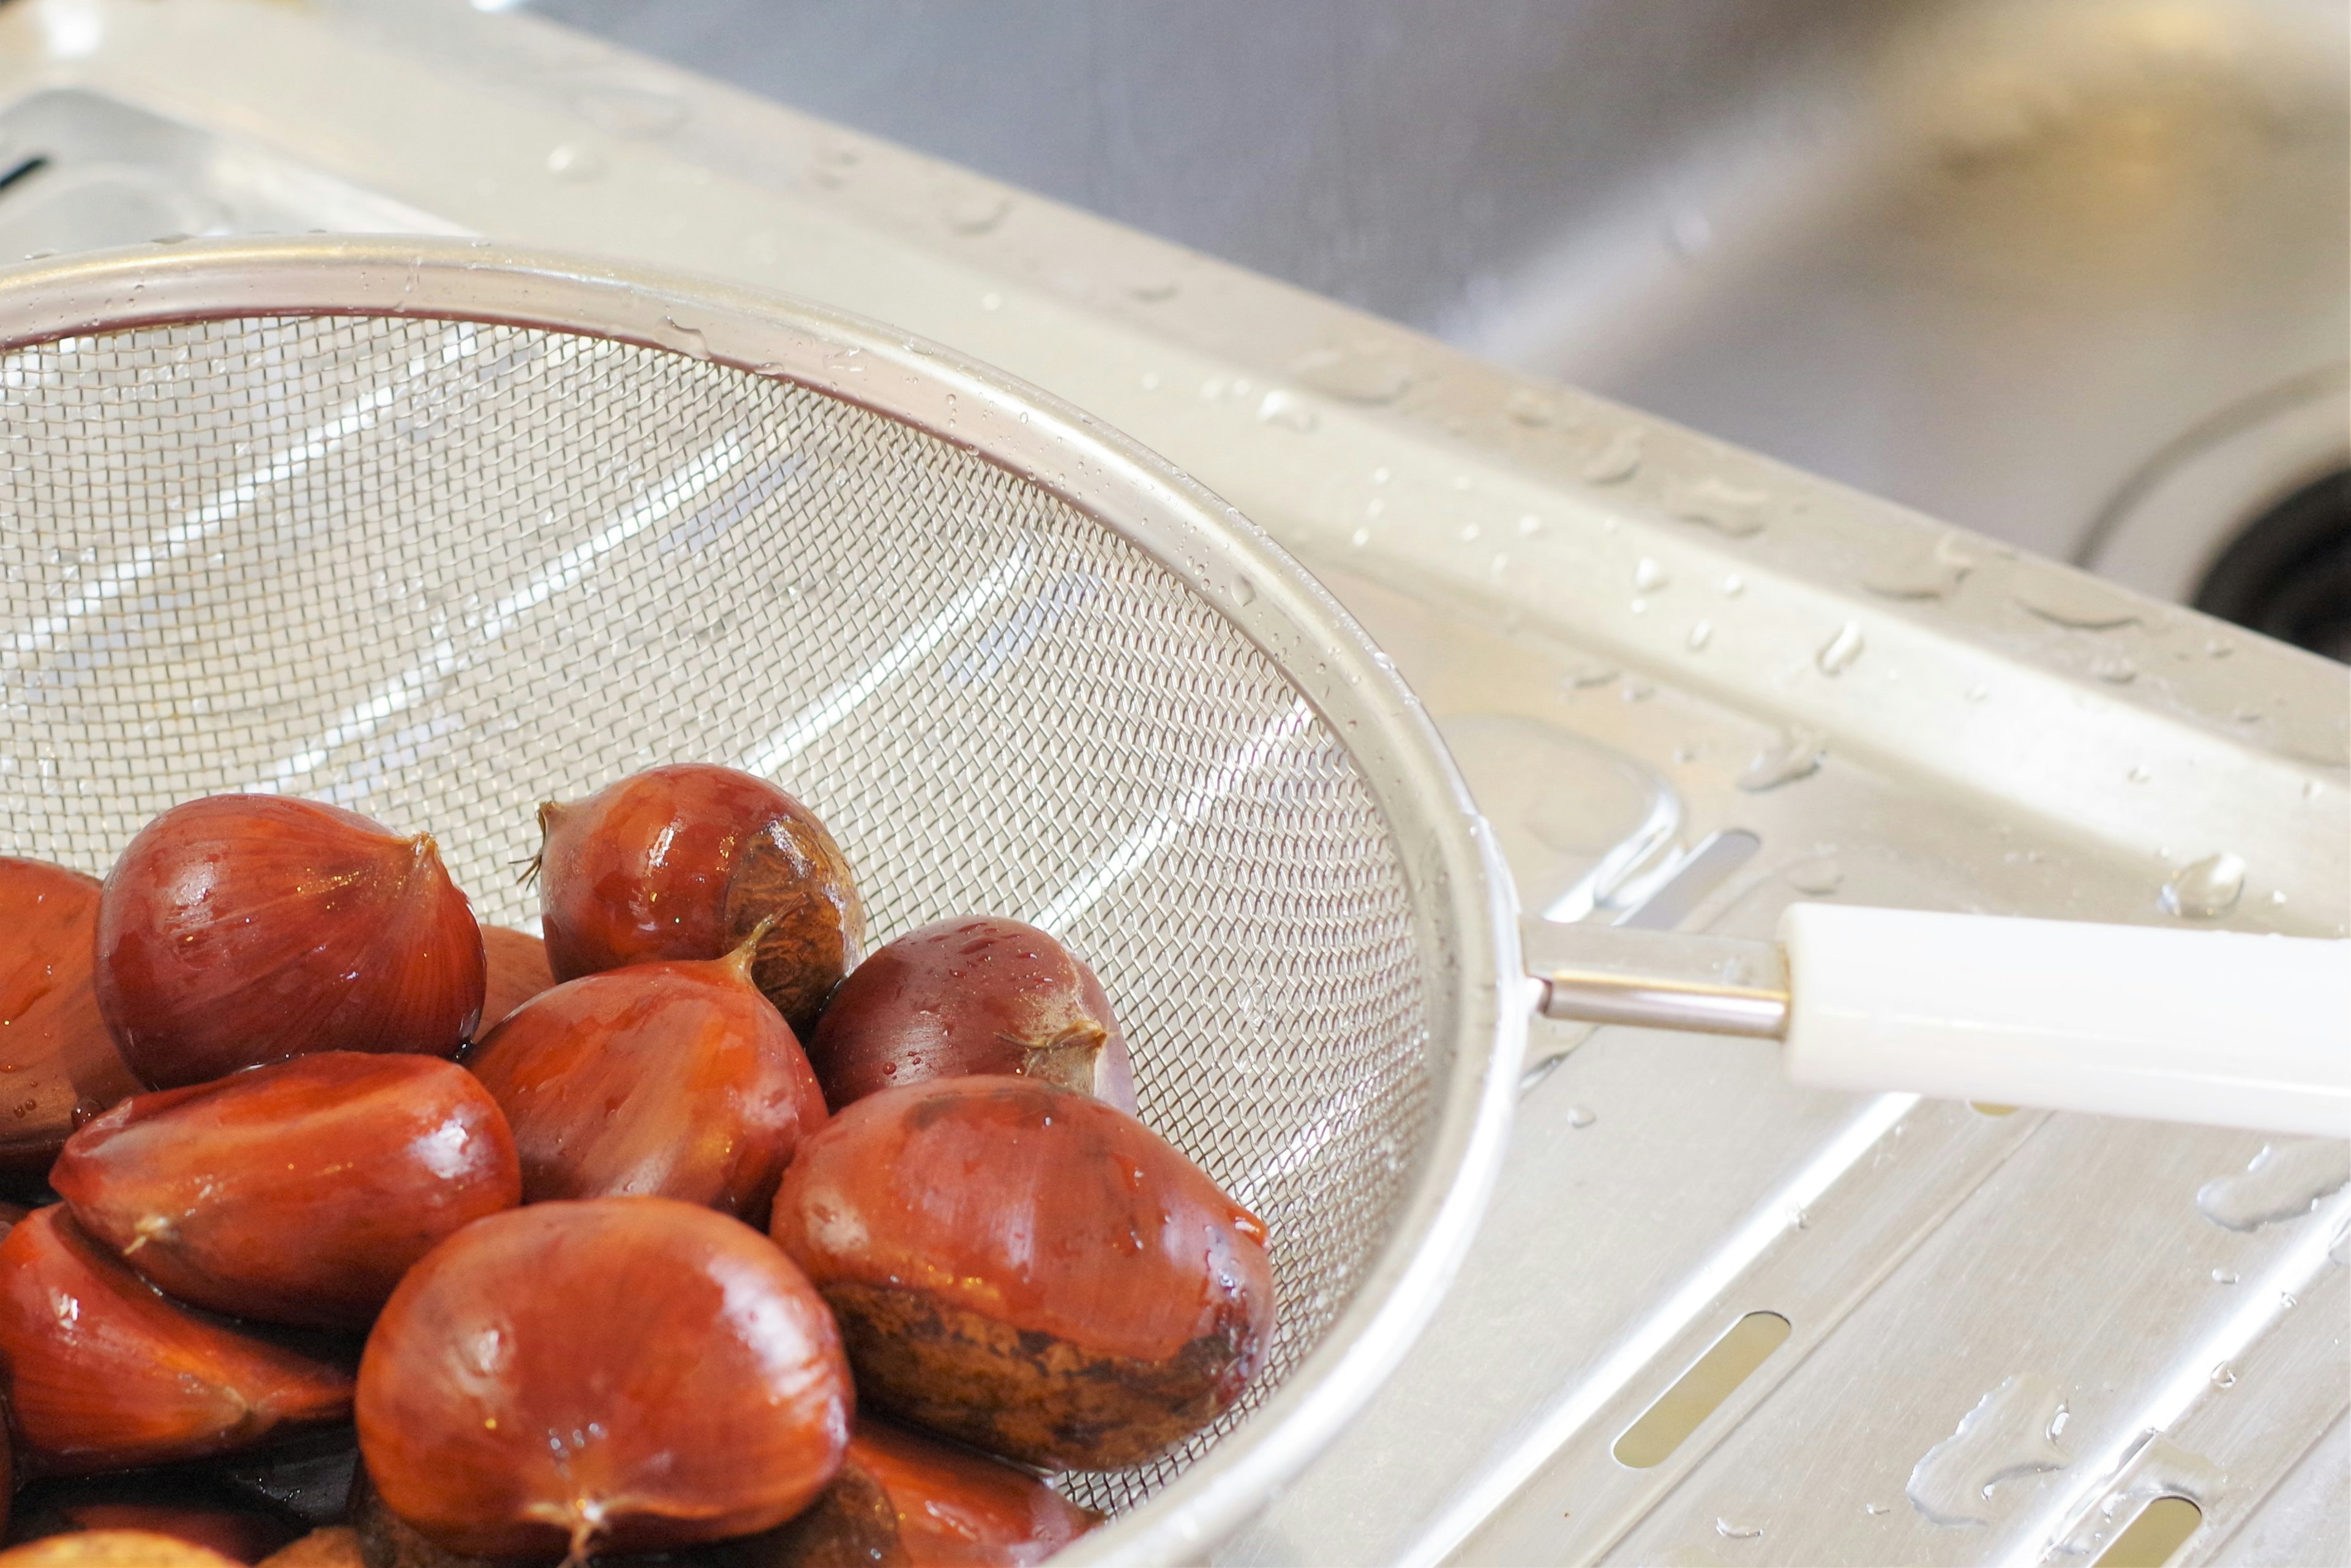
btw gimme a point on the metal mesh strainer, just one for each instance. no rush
(436, 533)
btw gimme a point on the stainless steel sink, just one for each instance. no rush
(2072, 272)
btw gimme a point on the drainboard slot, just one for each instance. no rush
(1696, 1393)
(2161, 1528)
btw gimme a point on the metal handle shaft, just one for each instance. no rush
(1659, 979)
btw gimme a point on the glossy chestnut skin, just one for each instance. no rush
(295, 1193)
(105, 1373)
(114, 1549)
(977, 995)
(517, 971)
(58, 1058)
(676, 1079)
(685, 862)
(159, 1504)
(1029, 1269)
(909, 1500)
(239, 929)
(330, 1546)
(623, 1374)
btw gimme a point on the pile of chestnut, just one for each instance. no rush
(693, 1231)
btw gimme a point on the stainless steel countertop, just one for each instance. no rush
(1634, 635)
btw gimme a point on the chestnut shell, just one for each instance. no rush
(1029, 1269)
(517, 971)
(626, 1373)
(296, 1193)
(239, 929)
(58, 1058)
(687, 862)
(675, 1080)
(105, 1373)
(980, 994)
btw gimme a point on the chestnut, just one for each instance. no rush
(239, 929)
(1029, 1269)
(58, 1058)
(677, 1080)
(685, 862)
(977, 995)
(159, 1505)
(105, 1373)
(114, 1549)
(517, 971)
(622, 1373)
(296, 1193)
(330, 1546)
(906, 1499)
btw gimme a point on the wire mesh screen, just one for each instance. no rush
(436, 572)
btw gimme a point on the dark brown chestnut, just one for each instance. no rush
(977, 995)
(624, 1373)
(908, 1500)
(685, 862)
(240, 929)
(58, 1058)
(296, 1193)
(1029, 1269)
(105, 1373)
(161, 1504)
(330, 1546)
(517, 971)
(675, 1080)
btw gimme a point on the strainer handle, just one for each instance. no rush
(2221, 1028)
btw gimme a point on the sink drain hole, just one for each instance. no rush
(2288, 572)
(1698, 1393)
(2162, 1529)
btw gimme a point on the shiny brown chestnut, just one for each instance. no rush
(623, 1374)
(517, 971)
(912, 1501)
(114, 1549)
(976, 995)
(105, 1373)
(58, 1058)
(239, 929)
(158, 1504)
(295, 1193)
(685, 862)
(330, 1546)
(676, 1079)
(1029, 1269)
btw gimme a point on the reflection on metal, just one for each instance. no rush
(1717, 985)
(1699, 1392)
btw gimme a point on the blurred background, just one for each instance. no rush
(2072, 272)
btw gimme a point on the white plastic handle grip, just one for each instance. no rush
(2224, 1028)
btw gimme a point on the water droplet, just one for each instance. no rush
(632, 111)
(1360, 538)
(675, 334)
(991, 301)
(1531, 408)
(2207, 888)
(1469, 533)
(1617, 459)
(1733, 586)
(1529, 525)
(1151, 381)
(1354, 372)
(2136, 773)
(1244, 590)
(573, 161)
(2069, 599)
(1580, 1116)
(1639, 690)
(1800, 1219)
(1588, 673)
(1639, 607)
(1700, 635)
(2224, 1376)
(1288, 410)
(1837, 654)
(1932, 572)
(2219, 647)
(2285, 1181)
(2288, 1300)
(1876, 1509)
(2012, 1431)
(1725, 507)
(1798, 753)
(2224, 1276)
(1152, 291)
(1819, 875)
(1648, 576)
(974, 210)
(1740, 1531)
(2113, 669)
(1977, 694)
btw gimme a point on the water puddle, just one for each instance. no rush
(2284, 1181)
(2012, 1431)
